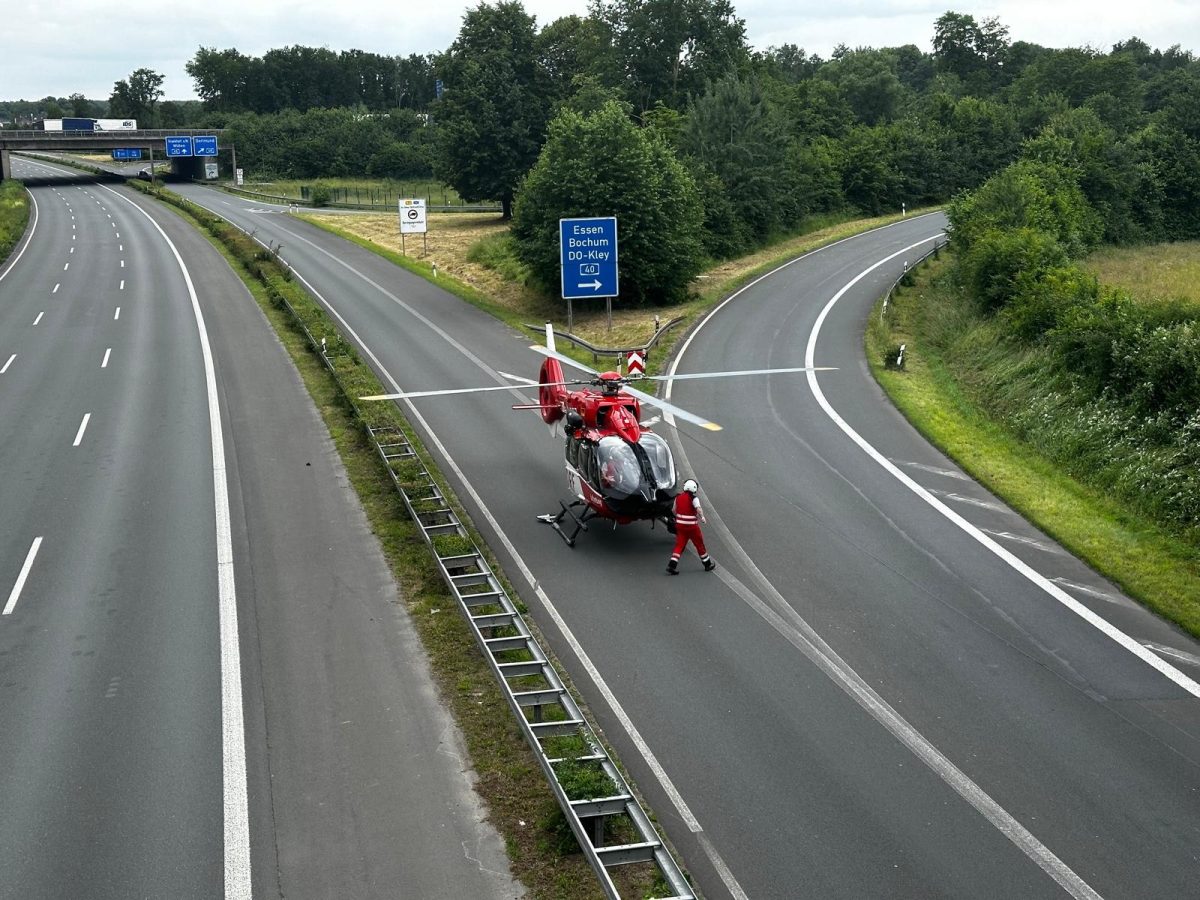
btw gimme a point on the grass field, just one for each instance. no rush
(1151, 274)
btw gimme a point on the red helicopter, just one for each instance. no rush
(617, 468)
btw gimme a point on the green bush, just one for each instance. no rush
(14, 215)
(1027, 195)
(1042, 299)
(999, 262)
(321, 195)
(1157, 370)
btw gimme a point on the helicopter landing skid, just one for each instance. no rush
(554, 520)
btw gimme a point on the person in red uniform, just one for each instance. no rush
(688, 518)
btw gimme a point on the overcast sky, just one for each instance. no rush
(85, 46)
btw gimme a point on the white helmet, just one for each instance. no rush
(690, 486)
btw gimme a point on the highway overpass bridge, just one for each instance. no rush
(152, 142)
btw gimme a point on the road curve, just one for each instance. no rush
(864, 700)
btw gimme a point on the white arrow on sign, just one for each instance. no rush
(594, 285)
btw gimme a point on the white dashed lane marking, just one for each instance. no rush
(15, 593)
(82, 428)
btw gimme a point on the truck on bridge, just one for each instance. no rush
(80, 124)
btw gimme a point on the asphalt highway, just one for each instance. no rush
(892, 686)
(110, 698)
(132, 766)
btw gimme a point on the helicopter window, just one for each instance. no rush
(586, 463)
(573, 450)
(619, 469)
(661, 462)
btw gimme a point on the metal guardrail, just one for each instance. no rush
(933, 251)
(617, 352)
(545, 709)
(551, 721)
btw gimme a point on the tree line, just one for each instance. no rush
(756, 139)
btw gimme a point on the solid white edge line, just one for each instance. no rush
(801, 635)
(233, 734)
(7, 364)
(19, 586)
(643, 749)
(1041, 581)
(28, 238)
(82, 428)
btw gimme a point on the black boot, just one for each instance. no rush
(673, 567)
(709, 565)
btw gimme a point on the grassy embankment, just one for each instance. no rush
(953, 353)
(14, 215)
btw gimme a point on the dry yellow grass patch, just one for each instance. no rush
(449, 238)
(1159, 272)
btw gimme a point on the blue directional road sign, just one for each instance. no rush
(205, 145)
(127, 153)
(588, 249)
(179, 146)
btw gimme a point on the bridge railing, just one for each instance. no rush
(35, 134)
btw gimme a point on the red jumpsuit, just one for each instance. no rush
(688, 516)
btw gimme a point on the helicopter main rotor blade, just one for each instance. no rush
(741, 372)
(676, 411)
(408, 395)
(562, 358)
(521, 378)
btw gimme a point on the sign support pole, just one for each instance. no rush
(570, 317)
(608, 307)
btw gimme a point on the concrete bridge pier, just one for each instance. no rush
(5, 164)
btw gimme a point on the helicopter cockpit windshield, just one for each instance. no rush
(661, 461)
(618, 466)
